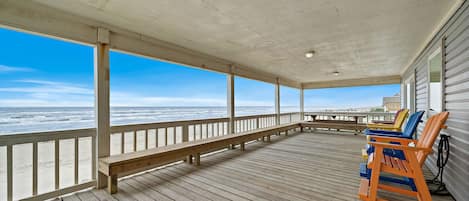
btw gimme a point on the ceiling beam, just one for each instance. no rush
(394, 79)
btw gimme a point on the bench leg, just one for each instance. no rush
(112, 184)
(241, 146)
(286, 133)
(197, 159)
(268, 138)
(189, 159)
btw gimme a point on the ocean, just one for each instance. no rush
(38, 119)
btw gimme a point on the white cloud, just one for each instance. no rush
(44, 93)
(6, 69)
(128, 99)
(48, 87)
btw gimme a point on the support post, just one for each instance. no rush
(102, 106)
(197, 159)
(230, 103)
(302, 104)
(277, 103)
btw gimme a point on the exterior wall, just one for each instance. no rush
(455, 97)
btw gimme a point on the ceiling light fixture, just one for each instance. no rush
(335, 73)
(309, 54)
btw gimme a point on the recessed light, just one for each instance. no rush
(336, 73)
(309, 54)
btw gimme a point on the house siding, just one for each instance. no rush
(455, 98)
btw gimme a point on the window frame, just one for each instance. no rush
(430, 110)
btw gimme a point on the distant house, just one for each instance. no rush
(392, 103)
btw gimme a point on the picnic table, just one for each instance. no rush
(339, 123)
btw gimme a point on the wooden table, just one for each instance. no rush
(339, 124)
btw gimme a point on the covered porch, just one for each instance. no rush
(259, 157)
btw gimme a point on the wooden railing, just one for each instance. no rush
(73, 152)
(366, 117)
(30, 159)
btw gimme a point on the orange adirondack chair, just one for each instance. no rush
(415, 151)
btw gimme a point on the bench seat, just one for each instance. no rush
(118, 165)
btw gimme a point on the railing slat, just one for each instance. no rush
(166, 136)
(76, 159)
(157, 135)
(57, 163)
(123, 142)
(35, 161)
(9, 172)
(200, 129)
(135, 141)
(93, 157)
(174, 134)
(146, 138)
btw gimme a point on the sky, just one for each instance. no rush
(37, 71)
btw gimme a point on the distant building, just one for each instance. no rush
(392, 103)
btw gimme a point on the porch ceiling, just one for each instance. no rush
(360, 39)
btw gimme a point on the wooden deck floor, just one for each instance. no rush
(303, 166)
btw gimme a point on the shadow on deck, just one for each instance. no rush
(302, 166)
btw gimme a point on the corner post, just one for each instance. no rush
(102, 104)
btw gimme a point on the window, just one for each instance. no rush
(434, 81)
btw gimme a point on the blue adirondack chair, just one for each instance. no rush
(408, 133)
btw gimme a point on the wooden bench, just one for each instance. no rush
(124, 164)
(334, 125)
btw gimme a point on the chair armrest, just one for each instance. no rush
(388, 135)
(382, 132)
(388, 139)
(399, 147)
(383, 126)
(383, 122)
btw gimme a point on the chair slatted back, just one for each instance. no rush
(412, 124)
(430, 133)
(399, 120)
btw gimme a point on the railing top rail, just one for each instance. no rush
(133, 127)
(349, 113)
(31, 137)
(45, 136)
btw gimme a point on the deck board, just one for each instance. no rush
(302, 166)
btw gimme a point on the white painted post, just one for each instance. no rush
(277, 103)
(230, 103)
(102, 105)
(302, 105)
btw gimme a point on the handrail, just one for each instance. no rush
(131, 127)
(23, 138)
